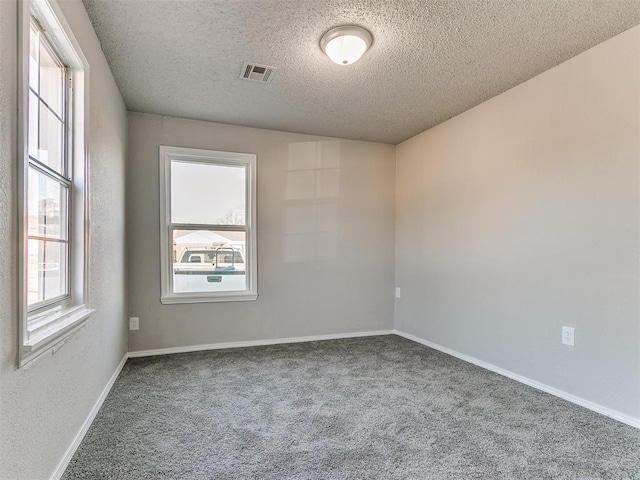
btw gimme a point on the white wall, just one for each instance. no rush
(325, 236)
(43, 406)
(520, 216)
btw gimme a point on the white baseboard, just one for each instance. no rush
(59, 471)
(608, 412)
(255, 343)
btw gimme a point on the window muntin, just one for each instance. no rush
(48, 105)
(209, 232)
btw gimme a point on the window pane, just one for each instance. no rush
(47, 206)
(46, 270)
(205, 193)
(51, 80)
(33, 125)
(51, 140)
(34, 47)
(209, 261)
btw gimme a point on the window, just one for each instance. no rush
(208, 238)
(52, 181)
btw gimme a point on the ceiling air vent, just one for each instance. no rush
(257, 73)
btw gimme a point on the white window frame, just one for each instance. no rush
(247, 160)
(47, 326)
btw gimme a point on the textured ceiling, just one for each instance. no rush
(430, 60)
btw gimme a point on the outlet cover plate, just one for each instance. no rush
(134, 323)
(568, 336)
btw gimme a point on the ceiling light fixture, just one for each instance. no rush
(345, 45)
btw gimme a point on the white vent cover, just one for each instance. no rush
(257, 73)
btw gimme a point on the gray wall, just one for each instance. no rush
(520, 216)
(43, 406)
(325, 236)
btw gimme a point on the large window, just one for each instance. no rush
(49, 177)
(208, 240)
(51, 180)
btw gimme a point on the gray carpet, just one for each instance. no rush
(366, 408)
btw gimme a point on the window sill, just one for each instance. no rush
(178, 299)
(54, 333)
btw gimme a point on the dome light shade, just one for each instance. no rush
(345, 45)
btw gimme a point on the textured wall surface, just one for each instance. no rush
(43, 406)
(430, 59)
(325, 236)
(520, 216)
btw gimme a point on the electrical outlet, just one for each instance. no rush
(568, 336)
(397, 292)
(134, 323)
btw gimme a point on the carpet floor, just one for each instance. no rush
(364, 408)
